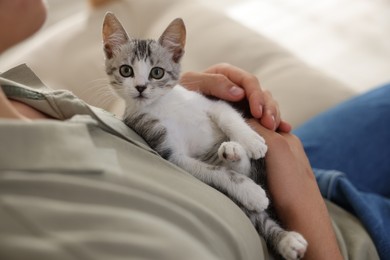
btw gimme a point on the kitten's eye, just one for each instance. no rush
(126, 71)
(157, 73)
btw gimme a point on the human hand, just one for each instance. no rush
(234, 84)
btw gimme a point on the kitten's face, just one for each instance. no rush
(141, 71)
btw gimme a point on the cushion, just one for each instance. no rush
(69, 55)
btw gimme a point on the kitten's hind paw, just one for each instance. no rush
(233, 156)
(292, 246)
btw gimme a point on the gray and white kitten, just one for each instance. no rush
(207, 138)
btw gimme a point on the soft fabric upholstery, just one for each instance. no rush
(69, 55)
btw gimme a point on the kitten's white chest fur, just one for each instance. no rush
(185, 115)
(208, 139)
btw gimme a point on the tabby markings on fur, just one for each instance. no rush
(207, 138)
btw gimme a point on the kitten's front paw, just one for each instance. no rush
(292, 246)
(255, 198)
(231, 152)
(255, 146)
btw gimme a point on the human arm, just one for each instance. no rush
(33, 13)
(294, 191)
(231, 83)
(291, 182)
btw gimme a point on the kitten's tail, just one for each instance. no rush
(267, 227)
(289, 244)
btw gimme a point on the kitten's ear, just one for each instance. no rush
(114, 35)
(174, 38)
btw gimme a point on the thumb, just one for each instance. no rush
(216, 85)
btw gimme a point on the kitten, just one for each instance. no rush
(207, 138)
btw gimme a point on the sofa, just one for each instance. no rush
(68, 54)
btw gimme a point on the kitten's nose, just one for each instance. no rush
(140, 88)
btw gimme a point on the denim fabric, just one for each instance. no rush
(351, 142)
(373, 210)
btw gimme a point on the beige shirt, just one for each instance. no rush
(88, 187)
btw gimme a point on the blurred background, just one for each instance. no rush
(347, 39)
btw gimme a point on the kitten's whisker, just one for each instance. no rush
(98, 93)
(172, 126)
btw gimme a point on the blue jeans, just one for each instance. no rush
(349, 149)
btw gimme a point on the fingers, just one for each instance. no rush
(233, 84)
(284, 127)
(216, 85)
(262, 105)
(247, 81)
(271, 117)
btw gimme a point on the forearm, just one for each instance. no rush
(302, 209)
(295, 194)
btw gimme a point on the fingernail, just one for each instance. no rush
(261, 110)
(236, 91)
(274, 121)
